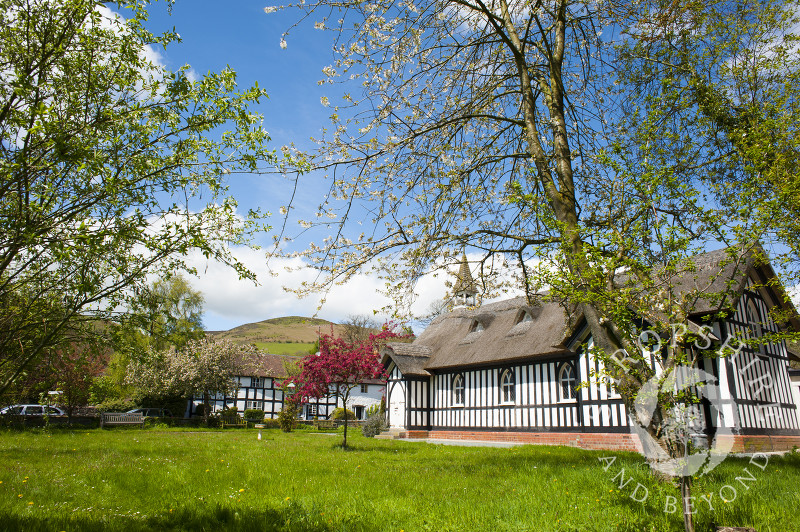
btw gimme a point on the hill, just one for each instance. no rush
(284, 336)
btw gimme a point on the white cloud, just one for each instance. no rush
(230, 302)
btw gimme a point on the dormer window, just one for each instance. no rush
(477, 326)
(525, 317)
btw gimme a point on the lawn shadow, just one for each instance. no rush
(290, 518)
(358, 448)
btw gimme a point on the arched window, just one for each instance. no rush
(567, 381)
(507, 392)
(458, 390)
(754, 325)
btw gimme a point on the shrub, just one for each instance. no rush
(372, 410)
(271, 424)
(374, 425)
(254, 414)
(119, 405)
(339, 414)
(199, 410)
(288, 416)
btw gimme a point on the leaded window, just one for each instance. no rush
(568, 381)
(507, 386)
(458, 390)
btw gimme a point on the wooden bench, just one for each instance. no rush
(324, 424)
(121, 418)
(233, 421)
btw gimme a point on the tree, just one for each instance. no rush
(504, 127)
(169, 312)
(726, 74)
(339, 367)
(356, 329)
(200, 368)
(75, 371)
(71, 370)
(112, 167)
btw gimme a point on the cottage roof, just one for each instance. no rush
(268, 365)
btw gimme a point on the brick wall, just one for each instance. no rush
(755, 444)
(608, 441)
(601, 441)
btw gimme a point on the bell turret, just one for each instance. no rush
(464, 290)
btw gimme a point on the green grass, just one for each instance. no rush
(284, 348)
(133, 479)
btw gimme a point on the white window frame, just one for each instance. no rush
(571, 381)
(508, 392)
(459, 390)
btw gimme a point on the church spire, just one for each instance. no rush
(464, 291)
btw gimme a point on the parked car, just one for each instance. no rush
(31, 410)
(151, 412)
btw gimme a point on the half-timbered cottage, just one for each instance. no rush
(261, 389)
(510, 371)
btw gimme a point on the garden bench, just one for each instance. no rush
(324, 424)
(120, 418)
(233, 421)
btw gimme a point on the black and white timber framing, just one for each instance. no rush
(508, 366)
(262, 391)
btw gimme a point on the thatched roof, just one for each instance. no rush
(453, 339)
(410, 358)
(497, 332)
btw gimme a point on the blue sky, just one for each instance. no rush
(241, 35)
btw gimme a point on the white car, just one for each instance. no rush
(31, 410)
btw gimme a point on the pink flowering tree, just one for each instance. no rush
(340, 366)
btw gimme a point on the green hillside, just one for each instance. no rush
(288, 335)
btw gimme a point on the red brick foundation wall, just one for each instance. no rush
(602, 441)
(607, 441)
(756, 444)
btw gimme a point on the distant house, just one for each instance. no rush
(261, 390)
(510, 371)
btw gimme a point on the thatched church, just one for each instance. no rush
(509, 371)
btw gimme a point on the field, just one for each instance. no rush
(158, 479)
(282, 348)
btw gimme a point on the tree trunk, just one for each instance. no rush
(686, 492)
(345, 397)
(344, 444)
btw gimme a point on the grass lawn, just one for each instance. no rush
(134, 479)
